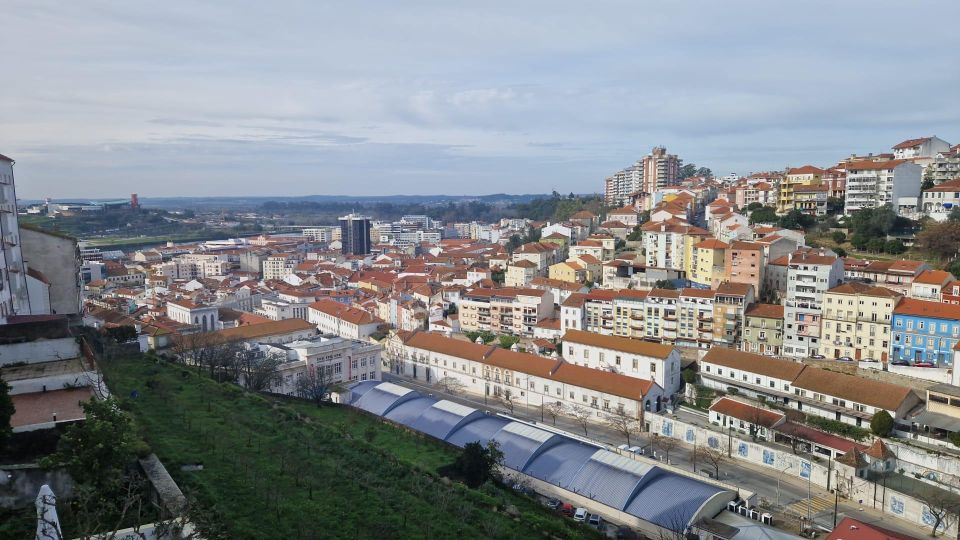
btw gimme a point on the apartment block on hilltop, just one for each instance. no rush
(810, 273)
(940, 200)
(922, 147)
(872, 184)
(799, 176)
(333, 318)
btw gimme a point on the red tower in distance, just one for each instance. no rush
(134, 202)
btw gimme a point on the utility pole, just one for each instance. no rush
(836, 502)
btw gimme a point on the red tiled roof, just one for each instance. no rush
(746, 412)
(806, 169)
(910, 143)
(926, 308)
(875, 165)
(39, 407)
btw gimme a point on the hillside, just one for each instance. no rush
(277, 468)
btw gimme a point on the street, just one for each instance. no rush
(792, 492)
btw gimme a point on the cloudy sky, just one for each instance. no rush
(293, 98)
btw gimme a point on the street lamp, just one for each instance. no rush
(779, 476)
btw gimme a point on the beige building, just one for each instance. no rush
(707, 267)
(569, 271)
(509, 310)
(799, 176)
(856, 321)
(519, 273)
(763, 329)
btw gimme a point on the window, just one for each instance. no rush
(653, 367)
(636, 364)
(617, 360)
(586, 354)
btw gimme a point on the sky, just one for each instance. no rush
(284, 98)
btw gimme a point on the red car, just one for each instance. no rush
(924, 364)
(566, 509)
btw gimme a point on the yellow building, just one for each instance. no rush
(856, 321)
(568, 271)
(520, 273)
(690, 240)
(592, 265)
(708, 262)
(800, 176)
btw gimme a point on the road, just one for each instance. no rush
(792, 491)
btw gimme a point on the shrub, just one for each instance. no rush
(881, 424)
(839, 237)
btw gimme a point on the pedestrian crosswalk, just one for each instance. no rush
(817, 505)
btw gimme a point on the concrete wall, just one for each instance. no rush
(57, 257)
(43, 350)
(742, 448)
(20, 484)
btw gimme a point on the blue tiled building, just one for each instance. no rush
(924, 331)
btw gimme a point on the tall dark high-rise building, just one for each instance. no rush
(355, 234)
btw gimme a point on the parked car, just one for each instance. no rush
(625, 447)
(566, 509)
(636, 450)
(595, 521)
(869, 360)
(553, 504)
(900, 363)
(845, 359)
(580, 515)
(817, 356)
(924, 364)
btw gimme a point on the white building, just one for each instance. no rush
(342, 361)
(332, 317)
(631, 357)
(205, 318)
(923, 147)
(14, 297)
(526, 380)
(938, 201)
(281, 265)
(506, 310)
(810, 273)
(872, 184)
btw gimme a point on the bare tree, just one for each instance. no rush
(258, 371)
(555, 409)
(623, 423)
(207, 350)
(665, 445)
(451, 385)
(582, 415)
(316, 384)
(714, 457)
(507, 399)
(941, 505)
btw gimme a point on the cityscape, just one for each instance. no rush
(627, 343)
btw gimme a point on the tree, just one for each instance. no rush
(555, 409)
(954, 214)
(635, 235)
(834, 206)
(796, 219)
(6, 413)
(665, 284)
(859, 241)
(927, 184)
(121, 334)
(582, 415)
(839, 237)
(451, 385)
(753, 206)
(840, 252)
(687, 171)
(259, 372)
(881, 424)
(713, 457)
(941, 505)
(705, 172)
(764, 214)
(507, 399)
(665, 445)
(876, 245)
(96, 450)
(508, 341)
(477, 463)
(623, 423)
(940, 240)
(894, 247)
(316, 384)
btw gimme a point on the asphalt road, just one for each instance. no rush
(792, 491)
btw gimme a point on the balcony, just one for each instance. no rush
(705, 317)
(670, 317)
